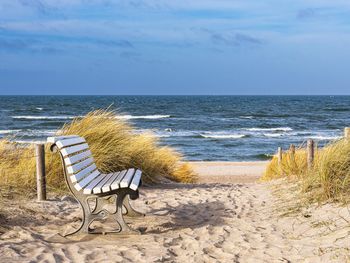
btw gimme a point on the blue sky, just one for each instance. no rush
(174, 47)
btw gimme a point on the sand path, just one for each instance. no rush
(186, 223)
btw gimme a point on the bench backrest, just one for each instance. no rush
(78, 161)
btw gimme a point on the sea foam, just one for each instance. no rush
(29, 117)
(285, 129)
(223, 136)
(129, 117)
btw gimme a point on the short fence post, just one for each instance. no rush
(279, 155)
(292, 151)
(40, 171)
(279, 159)
(347, 133)
(310, 153)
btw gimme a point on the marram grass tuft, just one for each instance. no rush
(114, 145)
(327, 180)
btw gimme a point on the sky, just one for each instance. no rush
(162, 47)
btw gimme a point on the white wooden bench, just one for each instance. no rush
(89, 186)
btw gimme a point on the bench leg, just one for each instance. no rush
(124, 228)
(130, 211)
(101, 204)
(87, 218)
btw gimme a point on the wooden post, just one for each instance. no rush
(347, 133)
(40, 171)
(310, 153)
(292, 152)
(279, 156)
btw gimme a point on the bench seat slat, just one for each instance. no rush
(127, 178)
(107, 186)
(73, 141)
(78, 166)
(136, 180)
(88, 189)
(74, 149)
(98, 188)
(115, 184)
(82, 173)
(76, 158)
(58, 138)
(81, 185)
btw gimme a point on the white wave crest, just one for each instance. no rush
(28, 117)
(223, 136)
(246, 117)
(39, 108)
(273, 135)
(325, 138)
(8, 131)
(285, 129)
(129, 117)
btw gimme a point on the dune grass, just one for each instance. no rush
(114, 145)
(292, 165)
(327, 180)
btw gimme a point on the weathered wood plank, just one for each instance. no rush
(107, 186)
(116, 183)
(81, 185)
(73, 141)
(69, 160)
(79, 166)
(98, 188)
(127, 178)
(88, 189)
(74, 149)
(58, 138)
(136, 180)
(83, 173)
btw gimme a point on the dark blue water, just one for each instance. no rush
(228, 128)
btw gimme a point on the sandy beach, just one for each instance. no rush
(228, 216)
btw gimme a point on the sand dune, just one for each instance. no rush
(206, 222)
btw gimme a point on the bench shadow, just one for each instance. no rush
(189, 216)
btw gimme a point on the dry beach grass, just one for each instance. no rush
(114, 146)
(328, 179)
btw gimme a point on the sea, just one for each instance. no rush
(202, 128)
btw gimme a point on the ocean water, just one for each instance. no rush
(225, 128)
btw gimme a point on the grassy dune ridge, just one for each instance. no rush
(114, 146)
(328, 179)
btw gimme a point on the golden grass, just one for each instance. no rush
(114, 146)
(328, 179)
(292, 165)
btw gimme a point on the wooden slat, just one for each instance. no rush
(136, 180)
(78, 166)
(70, 150)
(69, 160)
(83, 173)
(81, 185)
(88, 189)
(98, 188)
(116, 183)
(57, 138)
(107, 185)
(68, 142)
(127, 178)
